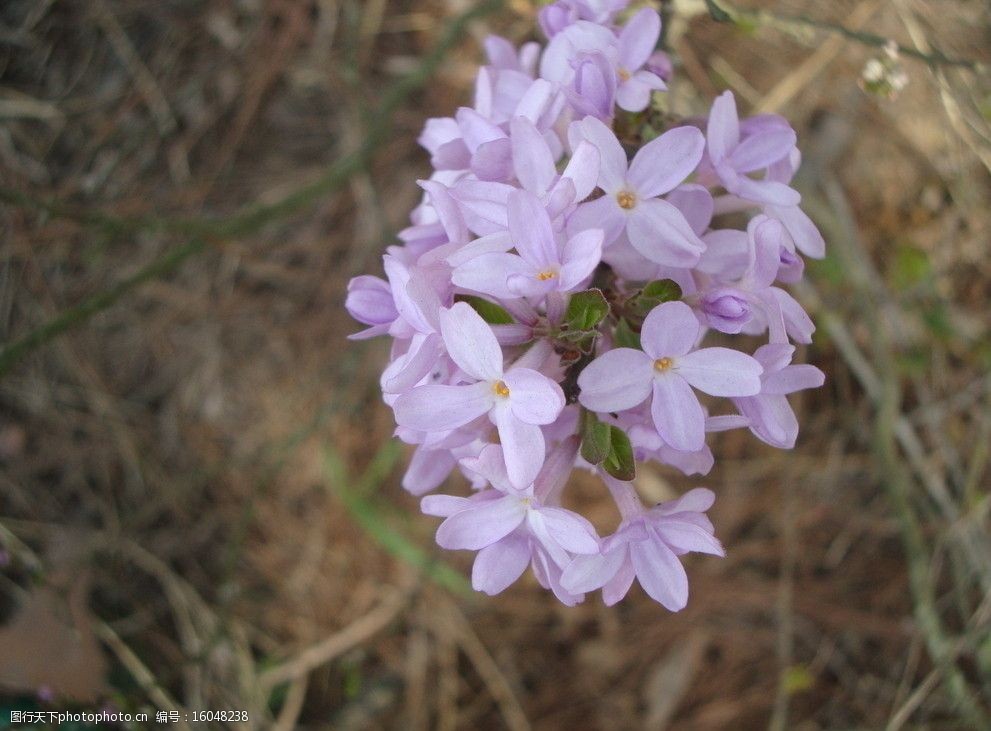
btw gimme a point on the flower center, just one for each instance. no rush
(663, 364)
(626, 199)
(544, 276)
(500, 389)
(623, 74)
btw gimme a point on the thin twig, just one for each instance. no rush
(336, 644)
(293, 705)
(493, 678)
(725, 12)
(144, 80)
(140, 672)
(914, 701)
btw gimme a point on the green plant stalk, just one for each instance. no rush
(371, 519)
(246, 222)
(81, 312)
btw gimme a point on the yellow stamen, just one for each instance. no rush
(663, 364)
(624, 75)
(501, 389)
(626, 199)
(544, 276)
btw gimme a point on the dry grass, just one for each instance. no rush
(208, 445)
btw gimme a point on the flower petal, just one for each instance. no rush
(764, 191)
(684, 536)
(497, 243)
(490, 465)
(762, 150)
(723, 130)
(493, 161)
(441, 408)
(410, 368)
(490, 274)
(677, 413)
(470, 342)
(615, 381)
(802, 230)
(531, 229)
(583, 169)
(571, 531)
(771, 419)
(696, 205)
(663, 164)
(532, 158)
(660, 573)
(447, 210)
(612, 158)
(533, 397)
(797, 321)
(638, 39)
(660, 232)
(721, 372)
(582, 253)
(619, 586)
(444, 506)
(793, 378)
(633, 95)
(427, 469)
(482, 524)
(476, 129)
(697, 500)
(588, 573)
(483, 205)
(671, 329)
(522, 446)
(603, 213)
(499, 565)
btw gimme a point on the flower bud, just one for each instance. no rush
(726, 310)
(370, 301)
(593, 91)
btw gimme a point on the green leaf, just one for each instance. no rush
(653, 294)
(625, 337)
(586, 310)
(371, 516)
(663, 290)
(620, 463)
(596, 438)
(490, 311)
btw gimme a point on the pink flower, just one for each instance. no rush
(733, 158)
(517, 400)
(665, 371)
(537, 248)
(542, 266)
(646, 547)
(512, 528)
(655, 227)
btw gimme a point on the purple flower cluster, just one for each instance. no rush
(548, 302)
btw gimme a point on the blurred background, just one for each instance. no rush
(199, 499)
